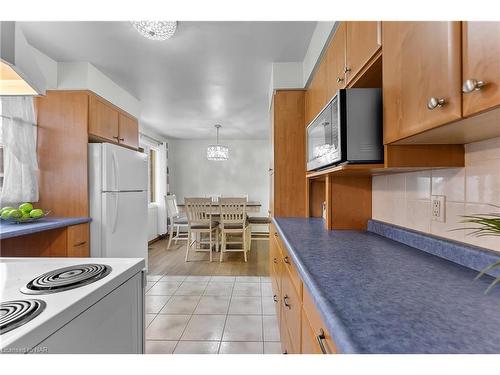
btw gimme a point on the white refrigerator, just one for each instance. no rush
(118, 180)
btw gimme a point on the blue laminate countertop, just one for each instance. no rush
(9, 230)
(377, 295)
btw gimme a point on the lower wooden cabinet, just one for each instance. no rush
(78, 241)
(301, 328)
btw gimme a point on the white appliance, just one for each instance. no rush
(118, 202)
(72, 305)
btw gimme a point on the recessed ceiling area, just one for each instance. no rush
(207, 73)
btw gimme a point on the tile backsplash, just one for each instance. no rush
(405, 199)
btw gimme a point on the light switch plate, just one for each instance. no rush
(438, 208)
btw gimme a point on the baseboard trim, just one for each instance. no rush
(158, 238)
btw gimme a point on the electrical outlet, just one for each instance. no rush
(438, 206)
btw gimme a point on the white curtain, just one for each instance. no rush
(18, 137)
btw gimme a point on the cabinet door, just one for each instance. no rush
(128, 130)
(335, 57)
(103, 121)
(78, 241)
(309, 343)
(421, 76)
(291, 308)
(316, 94)
(363, 41)
(481, 65)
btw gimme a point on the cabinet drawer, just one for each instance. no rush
(316, 323)
(309, 341)
(78, 240)
(291, 308)
(292, 272)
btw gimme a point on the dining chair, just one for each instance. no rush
(200, 222)
(258, 222)
(233, 221)
(176, 221)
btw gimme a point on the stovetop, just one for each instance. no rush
(39, 295)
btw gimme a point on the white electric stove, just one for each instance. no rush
(72, 305)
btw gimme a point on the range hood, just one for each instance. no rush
(19, 72)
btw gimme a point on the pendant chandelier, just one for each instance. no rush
(217, 152)
(155, 30)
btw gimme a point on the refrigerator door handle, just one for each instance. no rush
(116, 170)
(115, 218)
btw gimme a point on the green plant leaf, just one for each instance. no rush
(495, 282)
(490, 267)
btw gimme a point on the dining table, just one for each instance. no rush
(250, 207)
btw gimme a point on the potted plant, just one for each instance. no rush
(485, 225)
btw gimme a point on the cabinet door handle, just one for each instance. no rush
(121, 139)
(286, 260)
(340, 79)
(275, 298)
(347, 69)
(275, 260)
(275, 234)
(79, 243)
(435, 102)
(472, 85)
(285, 301)
(321, 337)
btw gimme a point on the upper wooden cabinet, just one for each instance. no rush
(363, 40)
(103, 119)
(481, 66)
(317, 93)
(128, 130)
(335, 61)
(109, 123)
(421, 76)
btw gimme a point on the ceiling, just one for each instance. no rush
(207, 73)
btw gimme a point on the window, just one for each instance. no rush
(152, 175)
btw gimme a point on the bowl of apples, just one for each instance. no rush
(25, 213)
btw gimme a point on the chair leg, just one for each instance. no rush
(188, 245)
(170, 236)
(210, 246)
(223, 246)
(177, 230)
(245, 244)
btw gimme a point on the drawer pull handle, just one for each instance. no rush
(285, 301)
(275, 260)
(286, 260)
(121, 139)
(275, 298)
(321, 337)
(275, 234)
(79, 243)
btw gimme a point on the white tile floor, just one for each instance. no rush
(210, 315)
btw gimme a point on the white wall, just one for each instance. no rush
(246, 171)
(405, 199)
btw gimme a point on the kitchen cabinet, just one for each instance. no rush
(335, 57)
(363, 40)
(78, 241)
(481, 66)
(421, 76)
(301, 327)
(289, 149)
(128, 130)
(317, 93)
(103, 119)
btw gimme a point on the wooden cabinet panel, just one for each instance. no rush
(286, 344)
(316, 323)
(317, 93)
(62, 139)
(128, 130)
(78, 241)
(103, 119)
(51, 243)
(289, 154)
(421, 61)
(335, 62)
(309, 343)
(363, 40)
(481, 62)
(291, 308)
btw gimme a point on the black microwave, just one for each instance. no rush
(347, 130)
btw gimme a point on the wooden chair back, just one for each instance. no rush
(233, 210)
(198, 210)
(171, 205)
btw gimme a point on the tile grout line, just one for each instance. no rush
(227, 314)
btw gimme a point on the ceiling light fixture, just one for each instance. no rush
(217, 152)
(155, 30)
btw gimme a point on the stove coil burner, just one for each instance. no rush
(66, 278)
(14, 314)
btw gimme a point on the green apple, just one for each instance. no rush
(36, 213)
(25, 216)
(15, 214)
(5, 214)
(26, 207)
(6, 209)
